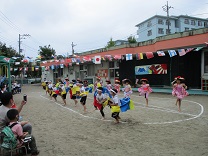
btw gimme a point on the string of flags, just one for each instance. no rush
(98, 58)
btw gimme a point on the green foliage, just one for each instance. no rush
(111, 43)
(46, 52)
(8, 51)
(132, 39)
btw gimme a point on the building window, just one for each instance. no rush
(167, 21)
(168, 31)
(193, 22)
(91, 70)
(205, 24)
(160, 21)
(186, 21)
(186, 29)
(111, 64)
(149, 33)
(199, 23)
(160, 31)
(149, 24)
(205, 62)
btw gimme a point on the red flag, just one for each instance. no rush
(189, 50)
(20, 68)
(86, 58)
(26, 68)
(117, 57)
(149, 55)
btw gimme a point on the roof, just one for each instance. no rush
(172, 17)
(155, 16)
(5, 60)
(186, 16)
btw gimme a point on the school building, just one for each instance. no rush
(159, 60)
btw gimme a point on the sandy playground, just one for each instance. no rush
(159, 130)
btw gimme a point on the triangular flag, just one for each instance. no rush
(109, 57)
(15, 69)
(86, 58)
(74, 60)
(198, 48)
(172, 53)
(20, 68)
(7, 59)
(149, 55)
(36, 68)
(181, 52)
(129, 57)
(160, 53)
(117, 57)
(26, 68)
(98, 59)
(189, 50)
(17, 63)
(47, 68)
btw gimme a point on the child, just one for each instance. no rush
(101, 98)
(127, 88)
(179, 90)
(54, 90)
(74, 92)
(63, 93)
(13, 116)
(145, 90)
(83, 95)
(114, 104)
(117, 85)
(108, 85)
(98, 83)
(50, 85)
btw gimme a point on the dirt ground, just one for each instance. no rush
(157, 130)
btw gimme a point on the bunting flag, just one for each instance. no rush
(56, 61)
(15, 69)
(11, 69)
(78, 60)
(198, 48)
(26, 68)
(189, 50)
(86, 58)
(74, 60)
(36, 68)
(117, 57)
(103, 58)
(17, 63)
(70, 64)
(20, 68)
(149, 55)
(7, 59)
(44, 62)
(160, 53)
(123, 57)
(61, 65)
(68, 61)
(108, 57)
(62, 60)
(129, 57)
(98, 59)
(66, 64)
(172, 53)
(140, 56)
(33, 69)
(181, 52)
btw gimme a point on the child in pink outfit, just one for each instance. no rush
(179, 90)
(117, 85)
(145, 89)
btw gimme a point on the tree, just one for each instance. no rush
(8, 51)
(132, 39)
(111, 43)
(46, 52)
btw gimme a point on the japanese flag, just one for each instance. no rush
(97, 59)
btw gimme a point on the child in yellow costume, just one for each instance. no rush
(114, 104)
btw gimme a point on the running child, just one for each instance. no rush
(74, 92)
(101, 99)
(63, 93)
(145, 89)
(114, 104)
(108, 85)
(179, 90)
(83, 95)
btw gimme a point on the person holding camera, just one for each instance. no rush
(7, 102)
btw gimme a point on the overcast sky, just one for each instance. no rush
(88, 23)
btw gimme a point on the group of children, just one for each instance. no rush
(107, 95)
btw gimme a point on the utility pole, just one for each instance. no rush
(20, 50)
(166, 8)
(73, 45)
(20, 38)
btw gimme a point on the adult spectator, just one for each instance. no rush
(7, 102)
(2, 90)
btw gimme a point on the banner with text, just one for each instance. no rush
(151, 69)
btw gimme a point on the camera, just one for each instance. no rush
(25, 97)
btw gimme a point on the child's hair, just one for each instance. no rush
(12, 113)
